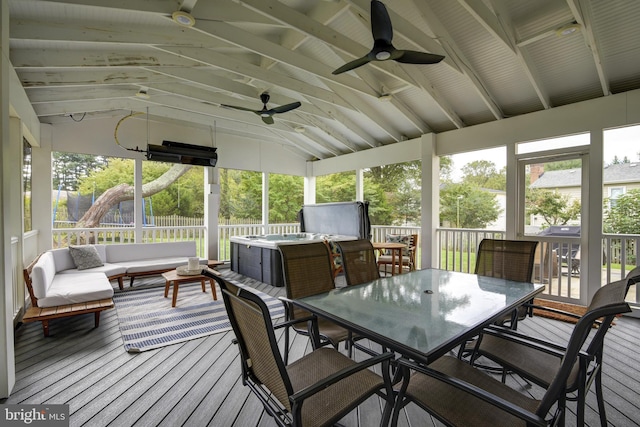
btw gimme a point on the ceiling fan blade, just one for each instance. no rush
(235, 107)
(285, 108)
(353, 64)
(268, 120)
(380, 22)
(413, 57)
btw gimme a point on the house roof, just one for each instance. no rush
(86, 59)
(612, 174)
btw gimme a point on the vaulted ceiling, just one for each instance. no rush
(83, 60)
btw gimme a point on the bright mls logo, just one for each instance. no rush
(35, 415)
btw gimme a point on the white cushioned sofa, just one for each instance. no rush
(69, 281)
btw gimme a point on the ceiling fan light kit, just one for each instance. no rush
(142, 93)
(567, 30)
(183, 18)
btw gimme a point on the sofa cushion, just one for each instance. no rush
(117, 254)
(85, 257)
(64, 261)
(109, 269)
(396, 238)
(43, 274)
(75, 288)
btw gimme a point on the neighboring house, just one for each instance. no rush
(618, 179)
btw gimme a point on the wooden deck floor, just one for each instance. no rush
(197, 383)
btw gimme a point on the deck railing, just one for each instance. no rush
(63, 237)
(456, 249)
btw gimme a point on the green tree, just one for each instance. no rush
(398, 196)
(446, 168)
(552, 206)
(247, 198)
(484, 174)
(69, 168)
(563, 165)
(380, 210)
(468, 206)
(622, 216)
(286, 196)
(406, 202)
(337, 187)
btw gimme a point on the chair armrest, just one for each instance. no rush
(557, 311)
(473, 390)
(551, 348)
(553, 310)
(292, 322)
(340, 375)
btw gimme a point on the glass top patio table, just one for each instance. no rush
(424, 313)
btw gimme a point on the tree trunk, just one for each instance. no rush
(122, 192)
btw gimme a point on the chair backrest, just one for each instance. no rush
(358, 261)
(260, 357)
(506, 259)
(307, 270)
(607, 302)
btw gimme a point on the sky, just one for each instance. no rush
(621, 142)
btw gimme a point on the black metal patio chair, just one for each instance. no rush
(537, 360)
(459, 394)
(316, 390)
(308, 270)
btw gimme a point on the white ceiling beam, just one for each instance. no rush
(496, 25)
(582, 12)
(90, 77)
(485, 17)
(263, 47)
(225, 10)
(229, 63)
(454, 50)
(78, 57)
(378, 119)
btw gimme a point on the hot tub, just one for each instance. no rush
(257, 256)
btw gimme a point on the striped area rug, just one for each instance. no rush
(147, 321)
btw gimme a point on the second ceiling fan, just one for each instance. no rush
(383, 49)
(267, 113)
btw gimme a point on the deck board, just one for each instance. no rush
(197, 383)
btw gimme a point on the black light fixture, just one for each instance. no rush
(178, 152)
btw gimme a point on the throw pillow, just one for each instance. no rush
(85, 257)
(397, 238)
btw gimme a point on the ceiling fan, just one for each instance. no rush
(383, 50)
(267, 113)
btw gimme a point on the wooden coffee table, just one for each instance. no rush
(173, 276)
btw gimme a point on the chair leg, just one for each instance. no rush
(286, 346)
(600, 396)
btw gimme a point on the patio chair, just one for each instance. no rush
(316, 390)
(459, 394)
(511, 260)
(505, 259)
(307, 270)
(360, 266)
(408, 254)
(538, 360)
(359, 261)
